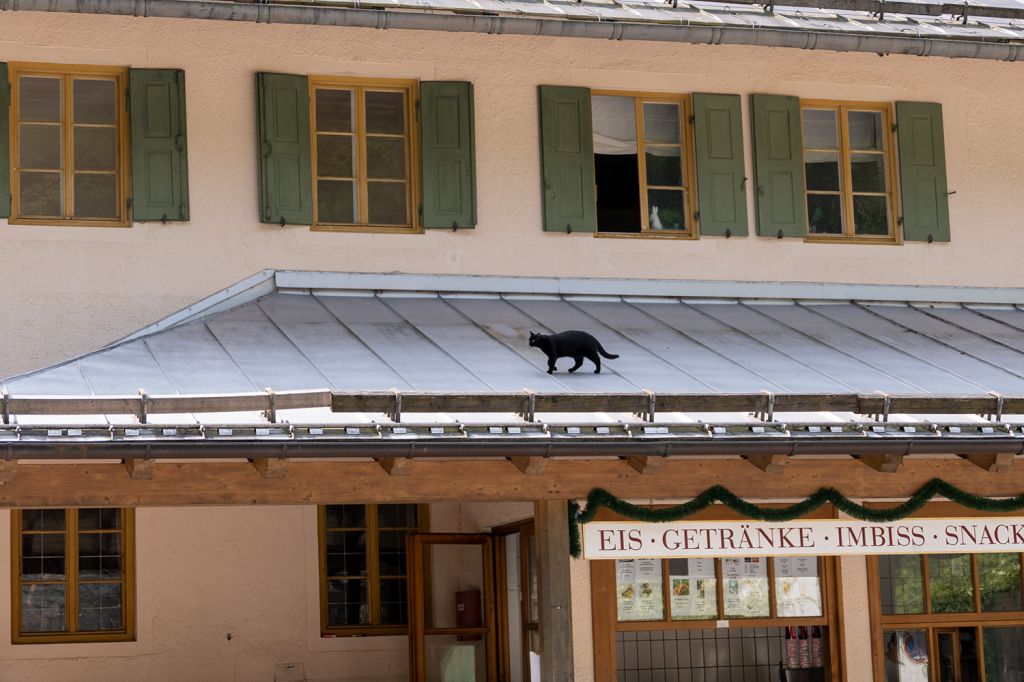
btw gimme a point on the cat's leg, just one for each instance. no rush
(596, 359)
(579, 363)
(551, 365)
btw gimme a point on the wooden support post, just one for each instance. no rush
(998, 463)
(8, 470)
(530, 466)
(772, 464)
(140, 469)
(887, 464)
(270, 467)
(551, 520)
(646, 465)
(395, 466)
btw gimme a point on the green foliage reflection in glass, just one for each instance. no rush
(951, 583)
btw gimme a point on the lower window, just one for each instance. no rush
(74, 577)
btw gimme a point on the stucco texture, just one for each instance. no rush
(70, 289)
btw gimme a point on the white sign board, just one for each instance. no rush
(685, 539)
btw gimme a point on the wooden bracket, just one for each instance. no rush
(529, 466)
(395, 466)
(270, 467)
(887, 464)
(997, 463)
(646, 464)
(772, 464)
(140, 469)
(8, 470)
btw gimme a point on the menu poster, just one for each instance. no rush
(745, 567)
(693, 593)
(639, 587)
(797, 588)
(796, 567)
(746, 587)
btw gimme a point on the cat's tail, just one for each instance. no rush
(604, 353)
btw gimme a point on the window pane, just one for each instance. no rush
(638, 584)
(385, 158)
(820, 129)
(336, 201)
(397, 515)
(335, 156)
(334, 110)
(99, 607)
(42, 608)
(614, 124)
(39, 146)
(665, 208)
(866, 130)
(999, 579)
(664, 166)
(42, 519)
(346, 516)
(868, 172)
(949, 578)
(797, 587)
(824, 214)
(822, 170)
(42, 557)
(906, 655)
(394, 609)
(661, 123)
(347, 602)
(39, 194)
(95, 148)
(385, 112)
(39, 99)
(95, 101)
(392, 552)
(1004, 655)
(386, 203)
(96, 196)
(99, 519)
(870, 215)
(99, 556)
(346, 553)
(745, 587)
(692, 589)
(901, 584)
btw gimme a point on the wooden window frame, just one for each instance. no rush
(71, 581)
(373, 577)
(68, 74)
(410, 88)
(688, 159)
(930, 622)
(842, 109)
(604, 602)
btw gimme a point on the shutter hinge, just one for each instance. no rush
(696, 215)
(899, 220)
(128, 202)
(895, 127)
(693, 119)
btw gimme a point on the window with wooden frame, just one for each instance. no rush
(956, 617)
(849, 167)
(69, 144)
(73, 575)
(732, 618)
(363, 567)
(643, 163)
(363, 150)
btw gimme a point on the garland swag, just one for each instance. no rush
(599, 498)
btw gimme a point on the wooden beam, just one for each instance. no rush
(270, 467)
(529, 466)
(395, 466)
(887, 464)
(772, 464)
(8, 470)
(646, 464)
(555, 589)
(140, 469)
(997, 463)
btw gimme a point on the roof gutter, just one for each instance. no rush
(529, 26)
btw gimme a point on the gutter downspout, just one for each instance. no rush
(529, 26)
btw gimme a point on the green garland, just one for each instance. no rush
(599, 498)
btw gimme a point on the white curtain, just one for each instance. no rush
(615, 126)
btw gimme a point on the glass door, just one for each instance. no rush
(956, 654)
(452, 615)
(518, 604)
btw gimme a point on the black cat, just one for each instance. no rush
(571, 344)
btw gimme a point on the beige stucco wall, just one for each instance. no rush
(67, 290)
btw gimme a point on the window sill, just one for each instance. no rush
(370, 229)
(73, 638)
(647, 235)
(61, 222)
(836, 239)
(371, 631)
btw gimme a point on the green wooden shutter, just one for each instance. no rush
(567, 159)
(447, 150)
(286, 181)
(159, 144)
(5, 139)
(923, 171)
(779, 166)
(721, 185)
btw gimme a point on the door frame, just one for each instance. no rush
(526, 530)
